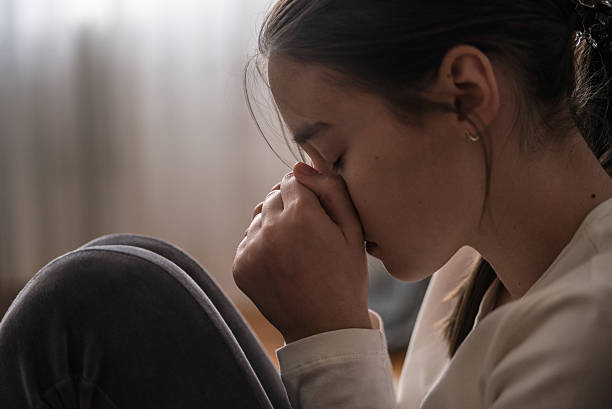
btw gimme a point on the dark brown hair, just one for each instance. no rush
(393, 49)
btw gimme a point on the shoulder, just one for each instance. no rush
(573, 298)
(573, 305)
(551, 348)
(555, 341)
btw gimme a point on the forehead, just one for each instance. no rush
(306, 92)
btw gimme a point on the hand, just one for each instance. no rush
(302, 260)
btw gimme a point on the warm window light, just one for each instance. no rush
(32, 15)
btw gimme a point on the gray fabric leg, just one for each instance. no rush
(254, 351)
(118, 326)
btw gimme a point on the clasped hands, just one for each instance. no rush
(302, 260)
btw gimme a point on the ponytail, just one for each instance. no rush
(590, 103)
(468, 294)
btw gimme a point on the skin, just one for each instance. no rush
(418, 191)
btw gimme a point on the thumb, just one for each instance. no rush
(334, 197)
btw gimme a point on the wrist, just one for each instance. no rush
(364, 324)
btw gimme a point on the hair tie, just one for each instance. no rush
(595, 23)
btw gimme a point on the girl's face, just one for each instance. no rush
(418, 192)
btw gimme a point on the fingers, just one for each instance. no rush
(323, 188)
(272, 204)
(292, 191)
(259, 206)
(255, 225)
(257, 209)
(331, 190)
(333, 194)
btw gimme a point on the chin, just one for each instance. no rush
(414, 269)
(407, 272)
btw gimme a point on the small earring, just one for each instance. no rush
(471, 137)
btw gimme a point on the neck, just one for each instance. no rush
(535, 208)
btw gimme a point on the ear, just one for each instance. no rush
(467, 80)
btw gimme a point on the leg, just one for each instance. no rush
(255, 353)
(121, 327)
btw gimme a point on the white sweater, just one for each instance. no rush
(550, 349)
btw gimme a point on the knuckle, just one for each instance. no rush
(256, 220)
(237, 273)
(297, 206)
(268, 233)
(287, 176)
(255, 224)
(257, 209)
(244, 267)
(300, 211)
(268, 239)
(273, 192)
(239, 280)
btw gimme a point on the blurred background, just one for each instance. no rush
(129, 116)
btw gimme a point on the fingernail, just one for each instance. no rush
(305, 170)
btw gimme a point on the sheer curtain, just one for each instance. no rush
(127, 116)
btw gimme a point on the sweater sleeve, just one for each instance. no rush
(346, 368)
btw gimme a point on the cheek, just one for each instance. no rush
(374, 195)
(411, 208)
(361, 195)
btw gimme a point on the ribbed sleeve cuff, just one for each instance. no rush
(347, 342)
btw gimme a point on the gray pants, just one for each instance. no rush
(129, 321)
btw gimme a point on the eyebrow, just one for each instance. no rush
(308, 131)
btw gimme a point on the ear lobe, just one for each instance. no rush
(468, 74)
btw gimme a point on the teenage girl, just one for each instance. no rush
(468, 140)
(475, 131)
